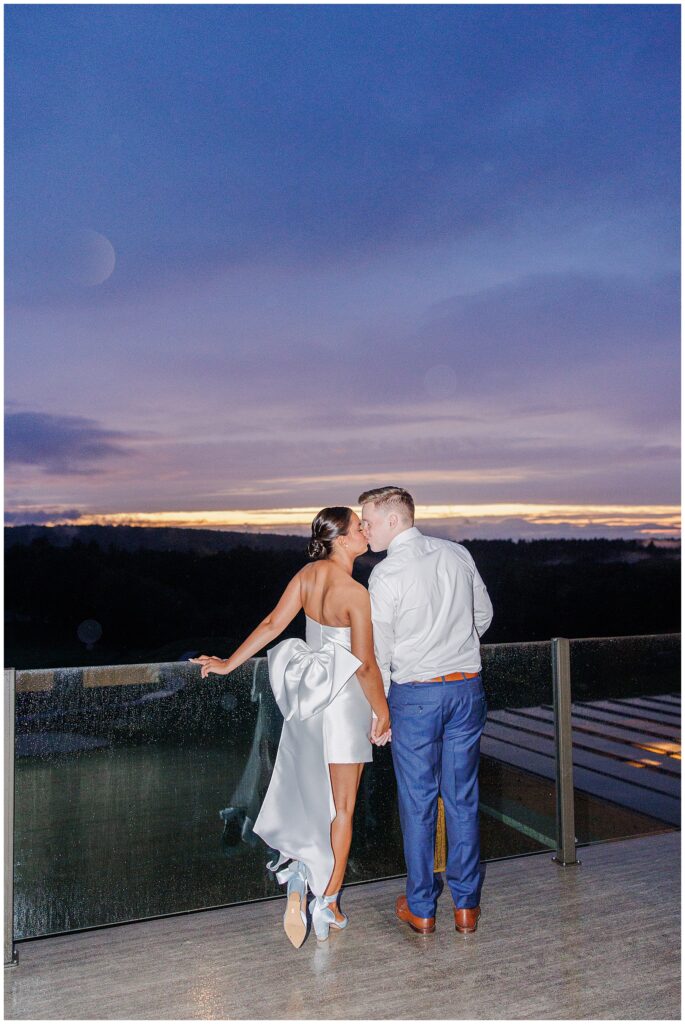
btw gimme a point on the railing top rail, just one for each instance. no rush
(135, 665)
(630, 636)
(489, 647)
(516, 643)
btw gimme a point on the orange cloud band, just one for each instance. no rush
(648, 519)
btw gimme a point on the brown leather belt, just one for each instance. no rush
(451, 677)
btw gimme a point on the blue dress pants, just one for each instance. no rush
(436, 730)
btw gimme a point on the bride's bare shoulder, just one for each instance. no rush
(312, 570)
(357, 595)
(312, 576)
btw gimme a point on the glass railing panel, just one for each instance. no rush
(625, 666)
(517, 791)
(626, 734)
(517, 675)
(122, 775)
(137, 787)
(518, 751)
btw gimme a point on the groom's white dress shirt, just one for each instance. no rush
(429, 608)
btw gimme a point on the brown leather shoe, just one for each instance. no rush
(466, 919)
(422, 925)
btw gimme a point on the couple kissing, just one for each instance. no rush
(398, 663)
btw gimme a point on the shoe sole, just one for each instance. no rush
(467, 931)
(419, 931)
(294, 926)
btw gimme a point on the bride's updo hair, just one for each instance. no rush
(329, 524)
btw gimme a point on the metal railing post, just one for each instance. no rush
(10, 951)
(563, 750)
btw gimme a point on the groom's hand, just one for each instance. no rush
(380, 729)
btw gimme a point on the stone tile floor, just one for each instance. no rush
(600, 940)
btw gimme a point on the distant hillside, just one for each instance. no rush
(156, 593)
(154, 538)
(210, 542)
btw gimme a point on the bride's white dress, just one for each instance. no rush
(327, 720)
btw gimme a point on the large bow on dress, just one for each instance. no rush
(305, 681)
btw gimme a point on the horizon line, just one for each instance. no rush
(645, 520)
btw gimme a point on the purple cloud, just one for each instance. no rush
(61, 445)
(39, 516)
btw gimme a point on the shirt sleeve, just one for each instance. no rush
(383, 618)
(482, 605)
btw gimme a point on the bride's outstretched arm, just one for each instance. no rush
(268, 629)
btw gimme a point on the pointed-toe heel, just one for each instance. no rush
(295, 916)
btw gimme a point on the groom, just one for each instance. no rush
(429, 608)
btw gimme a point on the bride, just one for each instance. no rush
(330, 692)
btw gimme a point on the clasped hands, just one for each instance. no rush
(380, 738)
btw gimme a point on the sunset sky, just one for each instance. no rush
(259, 259)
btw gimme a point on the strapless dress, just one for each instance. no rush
(327, 719)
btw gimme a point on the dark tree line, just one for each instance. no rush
(157, 605)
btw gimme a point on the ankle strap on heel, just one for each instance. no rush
(325, 901)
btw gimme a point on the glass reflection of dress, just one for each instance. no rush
(240, 815)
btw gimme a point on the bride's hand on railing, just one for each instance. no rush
(210, 663)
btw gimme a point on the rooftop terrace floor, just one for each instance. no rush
(594, 941)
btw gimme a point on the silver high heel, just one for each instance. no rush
(295, 916)
(323, 917)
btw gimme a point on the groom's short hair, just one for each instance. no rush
(390, 496)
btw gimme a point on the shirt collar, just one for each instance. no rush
(403, 537)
